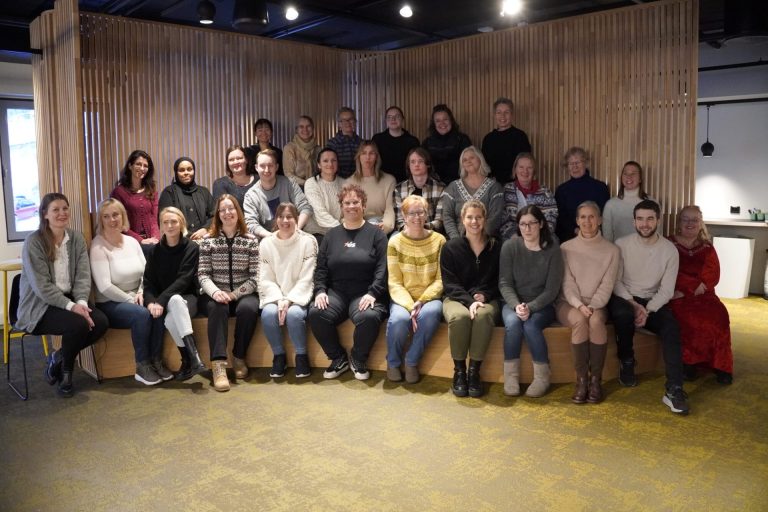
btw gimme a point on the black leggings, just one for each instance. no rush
(75, 332)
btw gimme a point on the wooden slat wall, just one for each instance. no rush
(57, 95)
(177, 91)
(621, 83)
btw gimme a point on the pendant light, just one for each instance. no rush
(707, 148)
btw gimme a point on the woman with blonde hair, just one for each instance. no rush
(618, 214)
(228, 274)
(705, 327)
(379, 187)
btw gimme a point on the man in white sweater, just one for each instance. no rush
(645, 285)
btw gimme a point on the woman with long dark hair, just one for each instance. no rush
(136, 190)
(54, 289)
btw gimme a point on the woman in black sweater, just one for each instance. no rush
(169, 290)
(470, 271)
(194, 201)
(350, 282)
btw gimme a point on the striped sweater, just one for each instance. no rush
(414, 269)
(229, 265)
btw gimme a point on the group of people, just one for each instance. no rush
(330, 236)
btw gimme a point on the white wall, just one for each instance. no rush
(15, 82)
(737, 173)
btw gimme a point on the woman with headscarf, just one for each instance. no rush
(194, 201)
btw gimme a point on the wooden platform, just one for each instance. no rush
(114, 353)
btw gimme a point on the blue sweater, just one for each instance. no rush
(570, 195)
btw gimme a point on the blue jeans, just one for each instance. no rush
(515, 329)
(398, 327)
(127, 315)
(295, 321)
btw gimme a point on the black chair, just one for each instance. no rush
(13, 307)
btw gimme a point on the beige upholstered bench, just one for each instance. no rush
(114, 353)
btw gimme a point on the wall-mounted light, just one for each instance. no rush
(291, 13)
(206, 11)
(707, 148)
(249, 12)
(511, 7)
(406, 11)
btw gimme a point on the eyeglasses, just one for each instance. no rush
(419, 213)
(395, 117)
(345, 120)
(528, 225)
(227, 209)
(577, 163)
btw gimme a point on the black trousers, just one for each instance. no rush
(324, 321)
(661, 322)
(75, 332)
(246, 312)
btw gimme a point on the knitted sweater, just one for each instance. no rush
(259, 205)
(570, 195)
(142, 213)
(648, 271)
(514, 200)
(465, 274)
(229, 264)
(591, 266)
(532, 277)
(286, 268)
(170, 271)
(381, 203)
(323, 197)
(37, 288)
(116, 271)
(456, 194)
(619, 216)
(414, 269)
(345, 147)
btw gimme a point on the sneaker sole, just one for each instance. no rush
(666, 401)
(333, 375)
(141, 379)
(277, 375)
(362, 376)
(303, 375)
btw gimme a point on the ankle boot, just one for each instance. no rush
(185, 371)
(540, 383)
(512, 377)
(596, 362)
(473, 379)
(65, 388)
(459, 386)
(581, 363)
(195, 364)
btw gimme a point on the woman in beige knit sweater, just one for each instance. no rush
(591, 265)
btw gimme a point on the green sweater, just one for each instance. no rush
(533, 277)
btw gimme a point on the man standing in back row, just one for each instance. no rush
(645, 284)
(346, 141)
(502, 145)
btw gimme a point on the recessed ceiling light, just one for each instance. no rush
(511, 7)
(406, 11)
(291, 13)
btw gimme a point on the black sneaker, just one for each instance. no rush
(337, 367)
(302, 366)
(278, 366)
(359, 369)
(676, 399)
(627, 373)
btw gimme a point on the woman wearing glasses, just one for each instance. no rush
(530, 275)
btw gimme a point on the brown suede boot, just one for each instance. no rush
(581, 363)
(596, 362)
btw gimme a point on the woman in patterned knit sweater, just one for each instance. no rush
(228, 273)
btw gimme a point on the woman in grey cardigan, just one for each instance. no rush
(530, 274)
(54, 289)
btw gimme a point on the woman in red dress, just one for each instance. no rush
(705, 330)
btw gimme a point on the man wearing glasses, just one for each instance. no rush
(346, 141)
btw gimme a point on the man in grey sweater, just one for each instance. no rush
(645, 284)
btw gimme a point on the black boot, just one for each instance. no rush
(65, 386)
(459, 386)
(195, 364)
(475, 384)
(184, 372)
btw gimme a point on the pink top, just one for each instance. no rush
(142, 213)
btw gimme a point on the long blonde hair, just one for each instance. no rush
(703, 235)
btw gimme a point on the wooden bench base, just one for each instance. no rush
(114, 353)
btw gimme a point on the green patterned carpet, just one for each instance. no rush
(374, 446)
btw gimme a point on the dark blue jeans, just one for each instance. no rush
(127, 315)
(532, 329)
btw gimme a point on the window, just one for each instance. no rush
(19, 165)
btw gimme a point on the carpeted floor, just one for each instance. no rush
(374, 446)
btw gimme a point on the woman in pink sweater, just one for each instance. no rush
(591, 265)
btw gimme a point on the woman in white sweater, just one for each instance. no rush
(287, 264)
(379, 187)
(618, 214)
(117, 266)
(322, 191)
(591, 265)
